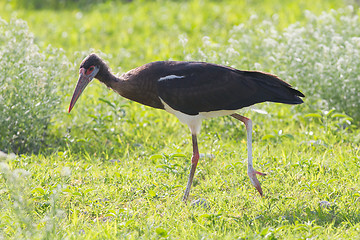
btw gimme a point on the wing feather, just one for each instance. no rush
(205, 87)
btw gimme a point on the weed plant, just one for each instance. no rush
(29, 92)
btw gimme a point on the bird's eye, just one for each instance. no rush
(90, 69)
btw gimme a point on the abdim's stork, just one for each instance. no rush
(192, 91)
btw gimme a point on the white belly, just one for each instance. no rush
(194, 121)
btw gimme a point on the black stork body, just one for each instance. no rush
(192, 91)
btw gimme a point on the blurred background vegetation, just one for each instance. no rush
(304, 42)
(61, 4)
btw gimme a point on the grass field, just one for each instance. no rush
(114, 169)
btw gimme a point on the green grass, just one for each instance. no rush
(135, 192)
(150, 30)
(114, 169)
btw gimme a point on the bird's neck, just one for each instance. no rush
(107, 78)
(118, 84)
(133, 86)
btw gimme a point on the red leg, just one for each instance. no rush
(194, 162)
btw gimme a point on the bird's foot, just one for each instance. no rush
(260, 173)
(252, 175)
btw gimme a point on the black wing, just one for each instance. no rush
(202, 87)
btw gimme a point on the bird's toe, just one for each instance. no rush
(252, 175)
(260, 173)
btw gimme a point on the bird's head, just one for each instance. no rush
(91, 67)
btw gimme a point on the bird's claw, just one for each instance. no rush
(260, 173)
(255, 181)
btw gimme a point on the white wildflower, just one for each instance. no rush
(65, 172)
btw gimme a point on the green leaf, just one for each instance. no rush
(108, 102)
(110, 214)
(77, 194)
(156, 156)
(40, 190)
(93, 116)
(264, 232)
(340, 115)
(330, 112)
(163, 166)
(67, 190)
(88, 190)
(205, 215)
(179, 155)
(301, 227)
(122, 210)
(312, 115)
(129, 222)
(162, 232)
(288, 135)
(152, 193)
(268, 136)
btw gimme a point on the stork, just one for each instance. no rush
(192, 91)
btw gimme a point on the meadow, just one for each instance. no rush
(114, 169)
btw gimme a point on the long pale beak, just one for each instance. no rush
(83, 81)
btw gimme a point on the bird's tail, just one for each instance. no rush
(274, 89)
